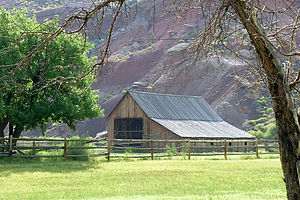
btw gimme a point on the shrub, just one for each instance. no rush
(127, 154)
(264, 131)
(78, 144)
(184, 151)
(171, 151)
(271, 131)
(257, 134)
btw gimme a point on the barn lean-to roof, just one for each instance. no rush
(186, 116)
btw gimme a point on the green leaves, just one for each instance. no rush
(52, 85)
(264, 127)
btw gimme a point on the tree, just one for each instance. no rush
(44, 67)
(272, 27)
(54, 85)
(280, 90)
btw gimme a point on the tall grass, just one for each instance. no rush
(78, 151)
(55, 152)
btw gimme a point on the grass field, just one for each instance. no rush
(157, 179)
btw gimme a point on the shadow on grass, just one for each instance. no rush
(23, 165)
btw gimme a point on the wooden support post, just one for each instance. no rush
(151, 146)
(65, 149)
(108, 149)
(10, 144)
(189, 149)
(33, 150)
(266, 147)
(225, 149)
(256, 148)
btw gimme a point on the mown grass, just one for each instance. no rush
(138, 179)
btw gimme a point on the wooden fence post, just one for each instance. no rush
(256, 147)
(225, 149)
(65, 149)
(10, 145)
(33, 150)
(189, 149)
(108, 149)
(266, 147)
(151, 146)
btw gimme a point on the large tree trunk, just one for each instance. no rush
(15, 131)
(285, 113)
(3, 124)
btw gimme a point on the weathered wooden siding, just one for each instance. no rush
(162, 132)
(128, 108)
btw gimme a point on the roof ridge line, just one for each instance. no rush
(187, 120)
(176, 95)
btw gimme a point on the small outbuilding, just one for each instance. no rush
(141, 115)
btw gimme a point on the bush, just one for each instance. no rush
(264, 131)
(257, 134)
(271, 131)
(184, 152)
(78, 144)
(171, 151)
(127, 154)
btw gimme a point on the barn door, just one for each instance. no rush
(128, 128)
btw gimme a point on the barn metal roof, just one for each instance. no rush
(204, 129)
(187, 116)
(175, 107)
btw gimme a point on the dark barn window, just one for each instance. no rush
(128, 128)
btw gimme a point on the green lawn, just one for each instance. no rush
(158, 179)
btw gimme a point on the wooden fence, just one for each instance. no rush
(27, 147)
(133, 148)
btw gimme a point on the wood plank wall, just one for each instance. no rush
(128, 108)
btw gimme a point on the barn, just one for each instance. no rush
(141, 115)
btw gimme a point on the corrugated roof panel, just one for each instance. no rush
(203, 129)
(174, 107)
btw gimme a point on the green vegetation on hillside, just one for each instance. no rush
(264, 127)
(158, 179)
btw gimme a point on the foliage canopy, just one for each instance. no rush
(51, 85)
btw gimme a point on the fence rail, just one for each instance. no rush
(134, 148)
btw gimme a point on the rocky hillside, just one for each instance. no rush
(140, 61)
(153, 65)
